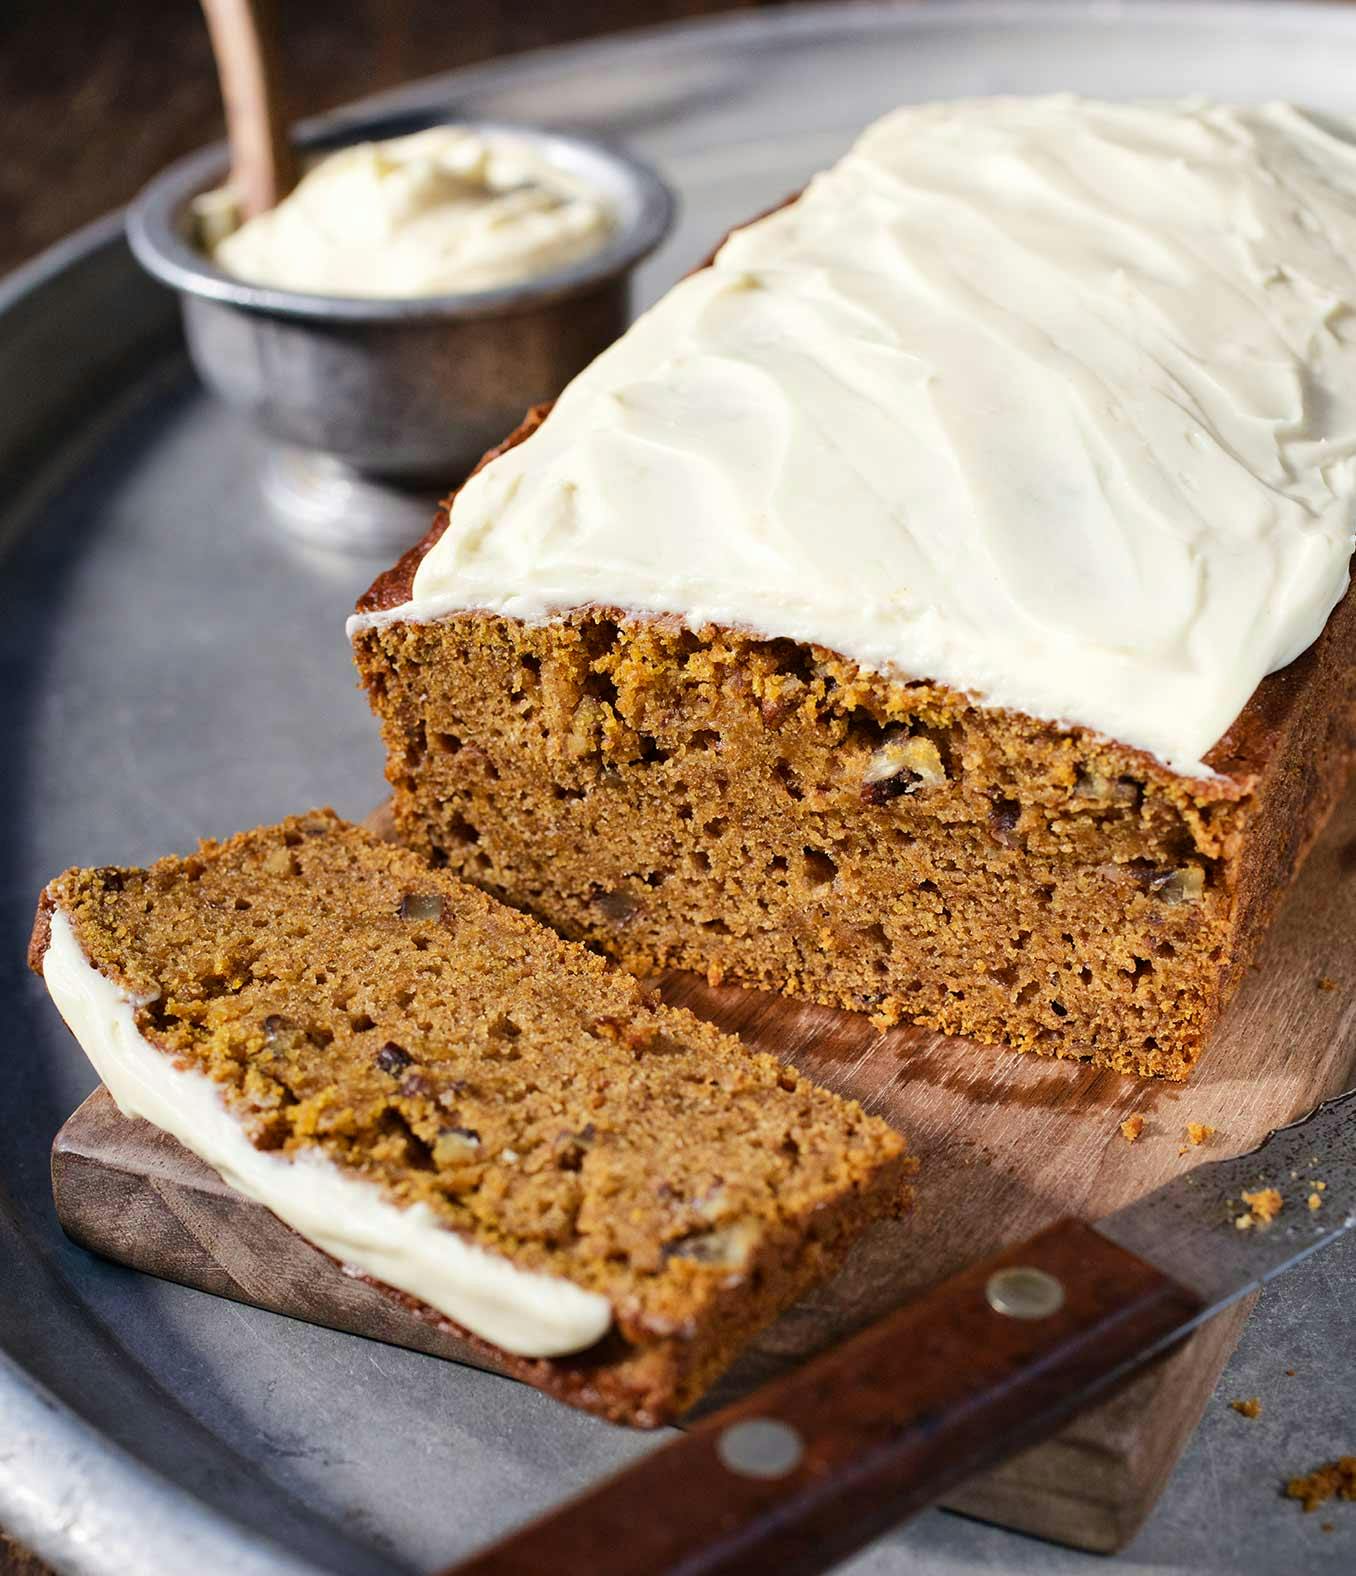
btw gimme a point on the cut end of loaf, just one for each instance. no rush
(772, 815)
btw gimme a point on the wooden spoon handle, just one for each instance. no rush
(815, 1465)
(245, 43)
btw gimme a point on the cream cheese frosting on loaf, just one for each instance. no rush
(522, 1311)
(1050, 400)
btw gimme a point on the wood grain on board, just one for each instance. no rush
(1007, 1143)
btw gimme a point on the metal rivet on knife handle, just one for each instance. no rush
(1024, 1293)
(760, 1448)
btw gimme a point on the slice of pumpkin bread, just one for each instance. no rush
(450, 1099)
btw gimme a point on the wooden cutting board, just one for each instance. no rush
(1007, 1144)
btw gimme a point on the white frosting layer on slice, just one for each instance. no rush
(1050, 400)
(526, 1313)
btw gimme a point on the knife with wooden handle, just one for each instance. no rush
(814, 1465)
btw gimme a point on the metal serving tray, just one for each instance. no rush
(175, 666)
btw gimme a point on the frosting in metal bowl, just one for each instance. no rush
(436, 212)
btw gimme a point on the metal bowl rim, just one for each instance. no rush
(155, 218)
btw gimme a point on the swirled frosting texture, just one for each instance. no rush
(1050, 400)
(437, 212)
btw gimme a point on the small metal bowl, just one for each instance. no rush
(371, 405)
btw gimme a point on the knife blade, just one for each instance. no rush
(1198, 1230)
(811, 1467)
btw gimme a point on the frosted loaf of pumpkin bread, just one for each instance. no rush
(936, 606)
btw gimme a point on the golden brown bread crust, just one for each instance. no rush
(393, 585)
(41, 937)
(1298, 737)
(1279, 770)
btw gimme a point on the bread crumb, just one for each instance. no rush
(1315, 1200)
(1322, 1187)
(1317, 1487)
(1200, 1132)
(1327, 1526)
(1290, 1373)
(1131, 1128)
(1243, 1222)
(1252, 1407)
(1266, 1203)
(1327, 984)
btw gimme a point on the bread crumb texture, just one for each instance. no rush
(1335, 1479)
(1200, 1132)
(1249, 1408)
(1131, 1128)
(768, 813)
(542, 1103)
(1263, 1207)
